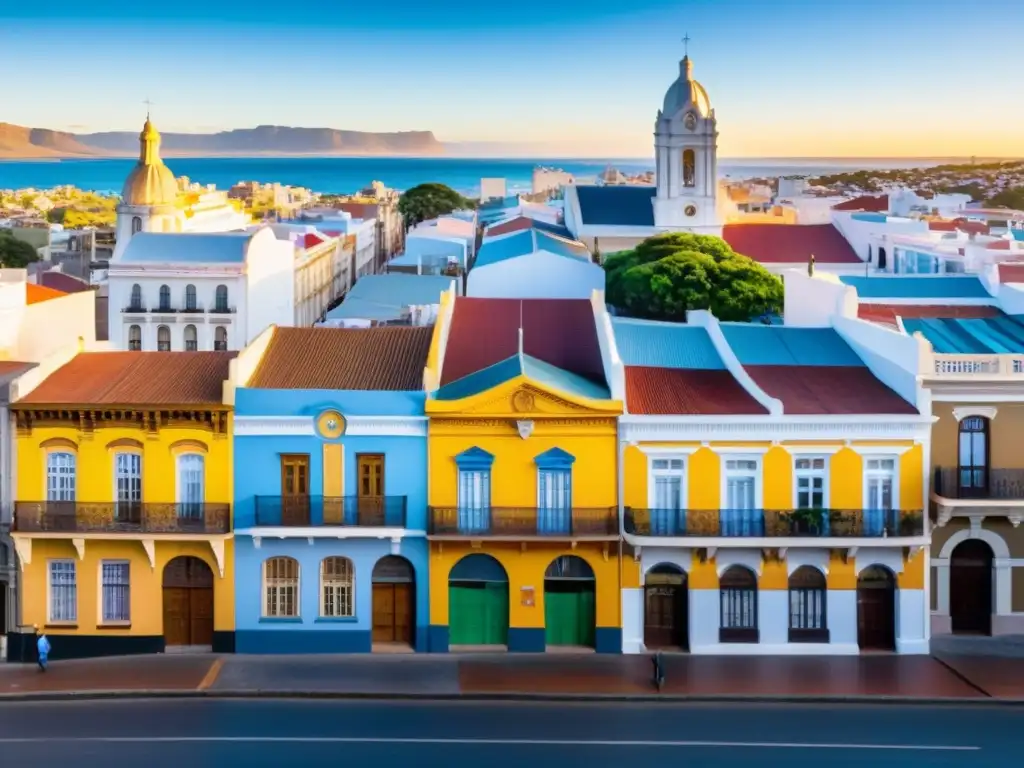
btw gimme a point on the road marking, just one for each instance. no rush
(212, 674)
(488, 742)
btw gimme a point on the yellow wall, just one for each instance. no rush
(145, 584)
(525, 568)
(704, 475)
(95, 461)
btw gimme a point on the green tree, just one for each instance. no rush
(667, 275)
(15, 253)
(1008, 198)
(428, 201)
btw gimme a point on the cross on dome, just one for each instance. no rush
(686, 44)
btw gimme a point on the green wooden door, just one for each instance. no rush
(569, 614)
(478, 614)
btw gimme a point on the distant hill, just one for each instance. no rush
(19, 142)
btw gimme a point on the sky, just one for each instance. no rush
(564, 78)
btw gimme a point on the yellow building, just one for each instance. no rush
(773, 492)
(122, 512)
(523, 520)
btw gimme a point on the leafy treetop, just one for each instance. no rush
(428, 201)
(15, 253)
(666, 275)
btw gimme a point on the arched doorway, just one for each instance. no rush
(478, 602)
(970, 587)
(666, 608)
(570, 615)
(737, 593)
(188, 604)
(808, 606)
(876, 609)
(394, 601)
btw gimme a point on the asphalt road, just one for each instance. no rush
(198, 733)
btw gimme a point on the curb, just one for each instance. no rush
(594, 698)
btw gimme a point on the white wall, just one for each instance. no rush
(810, 302)
(861, 234)
(538, 275)
(894, 358)
(436, 247)
(270, 286)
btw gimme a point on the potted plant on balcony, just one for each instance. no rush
(808, 521)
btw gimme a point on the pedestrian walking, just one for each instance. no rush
(43, 649)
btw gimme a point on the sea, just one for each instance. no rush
(347, 175)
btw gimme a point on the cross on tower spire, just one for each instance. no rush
(148, 104)
(686, 44)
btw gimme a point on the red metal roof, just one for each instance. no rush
(941, 225)
(886, 314)
(823, 390)
(561, 332)
(866, 203)
(1012, 272)
(686, 391)
(790, 243)
(512, 225)
(999, 245)
(311, 241)
(972, 227)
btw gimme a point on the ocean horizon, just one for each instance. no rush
(347, 175)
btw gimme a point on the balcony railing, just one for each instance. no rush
(530, 522)
(120, 517)
(978, 483)
(774, 523)
(221, 309)
(135, 309)
(978, 365)
(342, 511)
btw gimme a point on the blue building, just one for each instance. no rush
(330, 454)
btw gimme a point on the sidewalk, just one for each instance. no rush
(923, 678)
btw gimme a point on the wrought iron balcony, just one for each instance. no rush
(774, 523)
(349, 511)
(120, 517)
(979, 483)
(135, 309)
(221, 309)
(524, 522)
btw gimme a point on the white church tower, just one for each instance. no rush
(150, 194)
(686, 158)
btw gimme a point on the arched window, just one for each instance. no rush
(337, 588)
(191, 485)
(689, 168)
(136, 300)
(220, 338)
(190, 298)
(163, 339)
(135, 338)
(281, 587)
(165, 298)
(220, 300)
(807, 606)
(973, 457)
(191, 339)
(738, 592)
(60, 476)
(136, 224)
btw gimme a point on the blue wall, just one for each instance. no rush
(309, 633)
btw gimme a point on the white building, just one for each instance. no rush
(533, 264)
(200, 291)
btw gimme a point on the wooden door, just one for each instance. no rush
(876, 610)
(201, 616)
(665, 616)
(370, 491)
(403, 622)
(383, 613)
(970, 588)
(177, 616)
(295, 489)
(188, 602)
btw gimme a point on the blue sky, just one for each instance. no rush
(581, 77)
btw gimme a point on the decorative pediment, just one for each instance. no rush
(524, 401)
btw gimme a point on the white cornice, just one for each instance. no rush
(355, 426)
(725, 428)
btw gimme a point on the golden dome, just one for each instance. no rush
(150, 182)
(686, 92)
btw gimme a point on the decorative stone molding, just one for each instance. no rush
(985, 411)
(355, 426)
(688, 429)
(276, 426)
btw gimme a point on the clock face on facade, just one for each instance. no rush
(690, 121)
(690, 210)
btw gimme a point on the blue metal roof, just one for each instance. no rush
(526, 242)
(918, 287)
(756, 344)
(1018, 234)
(521, 365)
(990, 335)
(616, 206)
(187, 247)
(665, 345)
(384, 297)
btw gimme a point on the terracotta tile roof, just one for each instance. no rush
(36, 294)
(136, 379)
(521, 223)
(937, 225)
(810, 390)
(866, 203)
(1011, 273)
(790, 243)
(560, 332)
(683, 391)
(972, 227)
(886, 314)
(385, 358)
